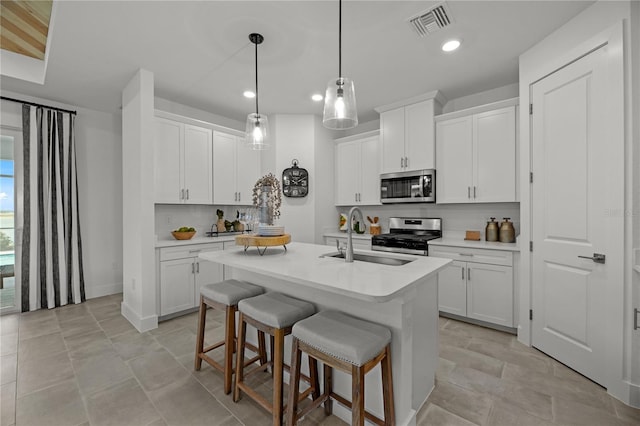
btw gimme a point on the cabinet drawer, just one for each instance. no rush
(181, 252)
(465, 254)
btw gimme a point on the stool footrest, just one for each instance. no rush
(348, 404)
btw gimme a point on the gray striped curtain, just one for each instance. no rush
(51, 273)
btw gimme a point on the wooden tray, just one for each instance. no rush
(254, 240)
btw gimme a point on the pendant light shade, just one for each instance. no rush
(257, 128)
(340, 111)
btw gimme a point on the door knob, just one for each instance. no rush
(597, 257)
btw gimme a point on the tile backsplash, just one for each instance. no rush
(169, 217)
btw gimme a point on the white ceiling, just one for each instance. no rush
(201, 56)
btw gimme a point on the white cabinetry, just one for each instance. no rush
(407, 133)
(357, 174)
(182, 274)
(476, 155)
(477, 285)
(236, 168)
(358, 243)
(182, 163)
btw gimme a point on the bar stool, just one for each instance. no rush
(351, 345)
(225, 296)
(273, 314)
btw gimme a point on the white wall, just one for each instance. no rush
(323, 185)
(591, 28)
(99, 153)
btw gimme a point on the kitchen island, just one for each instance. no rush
(403, 298)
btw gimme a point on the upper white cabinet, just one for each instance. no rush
(357, 173)
(182, 163)
(407, 134)
(476, 155)
(236, 168)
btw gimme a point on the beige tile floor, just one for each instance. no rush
(86, 365)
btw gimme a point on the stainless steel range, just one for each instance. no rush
(408, 235)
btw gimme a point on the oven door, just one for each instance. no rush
(408, 187)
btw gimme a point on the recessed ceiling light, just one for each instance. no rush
(451, 45)
(317, 97)
(249, 94)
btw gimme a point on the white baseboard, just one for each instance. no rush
(91, 292)
(141, 324)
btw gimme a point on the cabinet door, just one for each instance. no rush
(420, 147)
(490, 293)
(347, 174)
(206, 273)
(176, 285)
(369, 193)
(168, 157)
(452, 289)
(224, 169)
(392, 135)
(494, 162)
(454, 160)
(198, 176)
(247, 172)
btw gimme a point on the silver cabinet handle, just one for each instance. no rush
(401, 162)
(197, 267)
(468, 192)
(474, 192)
(193, 266)
(406, 161)
(597, 257)
(239, 196)
(465, 254)
(187, 194)
(468, 274)
(462, 269)
(182, 194)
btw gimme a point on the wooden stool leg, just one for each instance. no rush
(313, 375)
(278, 359)
(357, 396)
(229, 338)
(387, 389)
(328, 389)
(200, 340)
(262, 350)
(242, 331)
(294, 383)
(271, 346)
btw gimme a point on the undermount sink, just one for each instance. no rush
(371, 258)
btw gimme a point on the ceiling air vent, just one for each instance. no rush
(431, 20)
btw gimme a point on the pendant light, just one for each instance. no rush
(340, 100)
(257, 129)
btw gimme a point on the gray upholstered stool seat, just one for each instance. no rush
(230, 292)
(224, 296)
(273, 314)
(275, 309)
(342, 336)
(351, 345)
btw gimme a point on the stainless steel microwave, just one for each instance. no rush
(408, 187)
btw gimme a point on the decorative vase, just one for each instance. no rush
(266, 212)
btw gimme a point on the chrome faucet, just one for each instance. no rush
(349, 253)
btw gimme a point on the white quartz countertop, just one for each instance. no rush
(460, 242)
(302, 264)
(339, 234)
(172, 242)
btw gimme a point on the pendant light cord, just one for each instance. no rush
(257, 114)
(340, 40)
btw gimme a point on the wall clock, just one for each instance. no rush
(295, 181)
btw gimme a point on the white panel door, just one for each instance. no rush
(419, 136)
(198, 176)
(369, 172)
(224, 169)
(247, 171)
(452, 288)
(494, 156)
(347, 163)
(568, 218)
(176, 285)
(454, 160)
(490, 293)
(392, 134)
(168, 158)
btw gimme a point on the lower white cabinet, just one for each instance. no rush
(182, 273)
(474, 288)
(358, 243)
